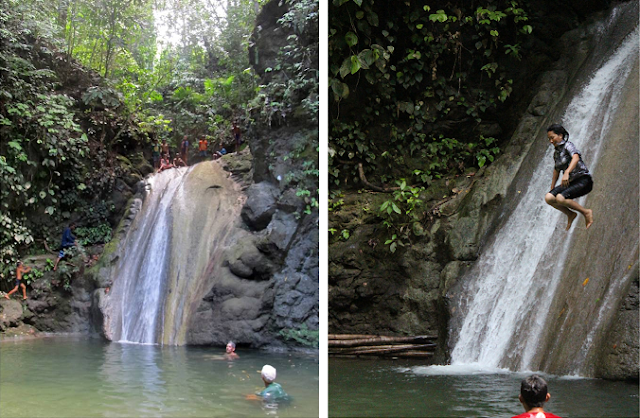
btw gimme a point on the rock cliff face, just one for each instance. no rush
(374, 291)
(278, 249)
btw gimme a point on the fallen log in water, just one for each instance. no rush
(378, 340)
(357, 345)
(350, 336)
(383, 346)
(385, 349)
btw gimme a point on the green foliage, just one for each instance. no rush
(336, 200)
(398, 213)
(293, 89)
(40, 165)
(425, 78)
(32, 276)
(100, 234)
(303, 336)
(109, 35)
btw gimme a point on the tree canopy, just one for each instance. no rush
(416, 86)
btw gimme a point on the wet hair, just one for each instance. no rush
(533, 390)
(232, 344)
(559, 130)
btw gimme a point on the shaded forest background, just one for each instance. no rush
(424, 93)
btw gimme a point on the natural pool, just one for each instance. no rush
(86, 377)
(388, 388)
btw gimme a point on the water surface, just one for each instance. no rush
(83, 377)
(388, 388)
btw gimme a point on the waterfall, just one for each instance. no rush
(144, 265)
(510, 289)
(172, 249)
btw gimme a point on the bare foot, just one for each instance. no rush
(588, 218)
(7, 296)
(570, 220)
(24, 298)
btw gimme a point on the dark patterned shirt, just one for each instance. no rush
(562, 157)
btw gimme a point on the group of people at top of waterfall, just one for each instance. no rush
(162, 157)
(272, 391)
(576, 179)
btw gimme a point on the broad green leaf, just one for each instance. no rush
(15, 145)
(372, 18)
(355, 64)
(345, 68)
(351, 38)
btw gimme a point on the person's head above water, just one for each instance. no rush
(231, 347)
(268, 373)
(533, 392)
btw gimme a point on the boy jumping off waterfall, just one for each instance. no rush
(533, 395)
(576, 180)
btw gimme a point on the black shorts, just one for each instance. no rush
(18, 282)
(579, 187)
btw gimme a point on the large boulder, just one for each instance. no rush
(260, 205)
(10, 313)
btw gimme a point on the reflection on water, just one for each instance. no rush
(373, 388)
(80, 377)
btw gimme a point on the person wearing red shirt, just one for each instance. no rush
(533, 395)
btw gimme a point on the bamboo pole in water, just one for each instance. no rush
(382, 349)
(350, 336)
(378, 340)
(356, 345)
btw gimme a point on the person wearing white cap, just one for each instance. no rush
(272, 391)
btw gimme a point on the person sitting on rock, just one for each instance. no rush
(178, 162)
(165, 163)
(219, 154)
(20, 270)
(231, 351)
(68, 241)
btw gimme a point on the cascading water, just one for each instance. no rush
(143, 274)
(170, 251)
(512, 285)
